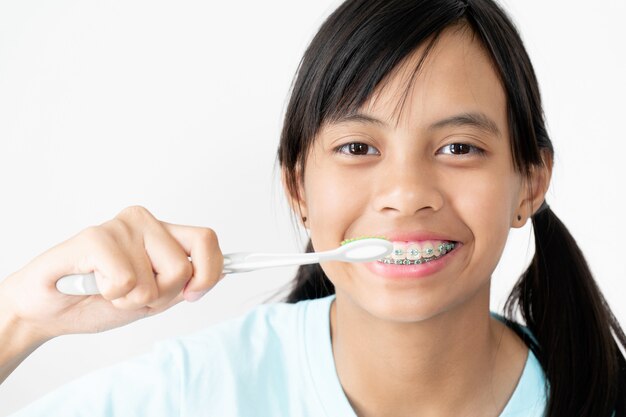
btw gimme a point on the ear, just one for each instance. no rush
(533, 192)
(296, 202)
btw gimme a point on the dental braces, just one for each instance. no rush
(443, 249)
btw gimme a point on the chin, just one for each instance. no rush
(400, 308)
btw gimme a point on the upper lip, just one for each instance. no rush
(416, 235)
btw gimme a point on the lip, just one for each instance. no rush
(413, 271)
(415, 236)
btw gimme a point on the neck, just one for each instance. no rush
(448, 364)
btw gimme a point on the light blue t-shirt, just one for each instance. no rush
(274, 361)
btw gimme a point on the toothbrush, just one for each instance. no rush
(364, 249)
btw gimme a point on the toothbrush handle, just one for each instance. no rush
(244, 262)
(85, 284)
(78, 284)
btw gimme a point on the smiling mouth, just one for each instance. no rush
(416, 257)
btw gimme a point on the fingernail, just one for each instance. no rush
(192, 296)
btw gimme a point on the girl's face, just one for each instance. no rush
(442, 164)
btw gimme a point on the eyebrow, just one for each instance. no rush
(475, 119)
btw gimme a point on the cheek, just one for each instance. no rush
(483, 197)
(485, 203)
(333, 203)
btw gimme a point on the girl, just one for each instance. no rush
(417, 120)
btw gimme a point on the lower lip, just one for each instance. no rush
(413, 271)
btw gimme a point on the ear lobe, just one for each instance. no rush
(535, 190)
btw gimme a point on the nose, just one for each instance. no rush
(407, 185)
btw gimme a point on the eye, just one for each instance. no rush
(463, 149)
(356, 149)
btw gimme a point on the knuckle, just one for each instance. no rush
(208, 235)
(124, 303)
(125, 282)
(135, 209)
(161, 302)
(211, 243)
(132, 213)
(119, 227)
(142, 296)
(208, 239)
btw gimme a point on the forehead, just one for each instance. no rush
(456, 76)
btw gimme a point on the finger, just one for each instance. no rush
(202, 245)
(169, 261)
(114, 272)
(171, 303)
(90, 250)
(145, 290)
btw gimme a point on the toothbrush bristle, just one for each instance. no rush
(362, 237)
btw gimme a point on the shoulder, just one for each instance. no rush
(530, 395)
(524, 332)
(275, 322)
(247, 360)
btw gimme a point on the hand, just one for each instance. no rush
(141, 267)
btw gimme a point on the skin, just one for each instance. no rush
(423, 346)
(141, 267)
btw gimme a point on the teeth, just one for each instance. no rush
(428, 250)
(399, 251)
(414, 252)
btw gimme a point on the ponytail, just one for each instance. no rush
(310, 282)
(564, 309)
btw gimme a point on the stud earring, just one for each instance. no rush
(519, 217)
(303, 219)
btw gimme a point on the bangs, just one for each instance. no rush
(353, 54)
(364, 57)
(363, 89)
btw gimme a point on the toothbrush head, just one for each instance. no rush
(362, 237)
(364, 249)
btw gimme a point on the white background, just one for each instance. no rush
(177, 106)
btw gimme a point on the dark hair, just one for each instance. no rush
(355, 49)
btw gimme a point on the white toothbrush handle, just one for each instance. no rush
(244, 262)
(78, 284)
(85, 284)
